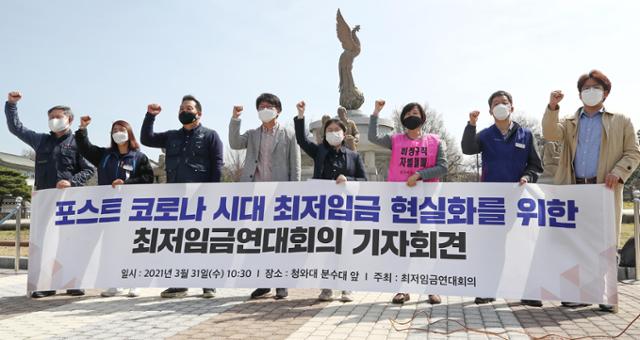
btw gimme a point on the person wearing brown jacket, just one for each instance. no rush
(598, 146)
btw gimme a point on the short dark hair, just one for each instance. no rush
(190, 97)
(500, 94)
(269, 98)
(65, 109)
(596, 75)
(410, 107)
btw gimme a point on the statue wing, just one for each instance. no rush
(344, 33)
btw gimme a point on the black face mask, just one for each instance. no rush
(187, 117)
(412, 122)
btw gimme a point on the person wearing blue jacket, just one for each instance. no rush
(193, 155)
(332, 161)
(58, 163)
(509, 152)
(121, 163)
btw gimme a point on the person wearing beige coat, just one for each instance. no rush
(618, 155)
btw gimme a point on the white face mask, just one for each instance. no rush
(591, 96)
(58, 124)
(501, 111)
(120, 137)
(267, 115)
(335, 138)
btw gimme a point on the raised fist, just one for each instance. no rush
(154, 109)
(14, 97)
(378, 106)
(85, 121)
(555, 98)
(237, 110)
(473, 117)
(301, 106)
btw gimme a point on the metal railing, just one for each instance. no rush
(636, 233)
(17, 212)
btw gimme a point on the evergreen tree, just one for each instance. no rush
(14, 183)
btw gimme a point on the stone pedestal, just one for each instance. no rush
(376, 158)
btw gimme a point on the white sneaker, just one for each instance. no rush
(133, 292)
(346, 296)
(111, 292)
(325, 295)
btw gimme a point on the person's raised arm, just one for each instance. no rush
(470, 144)
(381, 140)
(552, 129)
(147, 136)
(237, 141)
(14, 124)
(307, 145)
(87, 150)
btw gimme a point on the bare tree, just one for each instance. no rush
(456, 168)
(29, 153)
(549, 151)
(233, 165)
(530, 123)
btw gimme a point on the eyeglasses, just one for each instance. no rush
(594, 87)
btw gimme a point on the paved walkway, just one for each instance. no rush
(232, 316)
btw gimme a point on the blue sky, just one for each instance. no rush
(110, 59)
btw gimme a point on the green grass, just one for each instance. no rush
(627, 205)
(10, 235)
(10, 251)
(626, 231)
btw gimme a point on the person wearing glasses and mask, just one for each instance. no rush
(272, 154)
(599, 147)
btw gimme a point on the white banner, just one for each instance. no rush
(466, 239)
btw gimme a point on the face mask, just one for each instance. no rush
(187, 117)
(592, 96)
(120, 137)
(501, 111)
(412, 122)
(58, 124)
(267, 115)
(334, 138)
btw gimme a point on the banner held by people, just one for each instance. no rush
(464, 239)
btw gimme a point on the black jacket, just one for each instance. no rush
(354, 167)
(193, 156)
(56, 158)
(132, 168)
